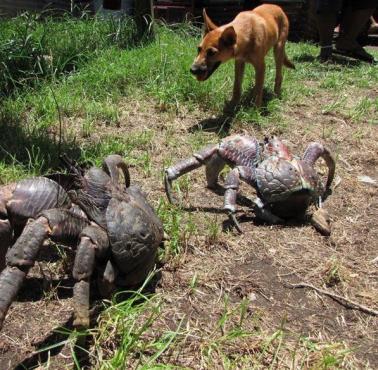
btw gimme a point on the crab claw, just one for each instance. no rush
(233, 219)
(321, 221)
(317, 150)
(112, 164)
(168, 189)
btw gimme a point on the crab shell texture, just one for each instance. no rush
(289, 186)
(135, 233)
(133, 228)
(240, 150)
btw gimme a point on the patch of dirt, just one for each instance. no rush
(253, 267)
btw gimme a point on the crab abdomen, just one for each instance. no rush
(277, 179)
(134, 235)
(295, 205)
(31, 196)
(289, 187)
(240, 150)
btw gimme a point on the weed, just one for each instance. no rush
(171, 217)
(213, 230)
(130, 322)
(334, 273)
(323, 356)
(193, 283)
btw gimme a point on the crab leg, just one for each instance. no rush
(316, 150)
(263, 212)
(232, 184)
(5, 240)
(185, 166)
(19, 260)
(59, 225)
(6, 232)
(93, 242)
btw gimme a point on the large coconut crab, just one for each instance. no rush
(285, 185)
(111, 225)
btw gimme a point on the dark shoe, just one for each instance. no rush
(357, 53)
(324, 58)
(325, 54)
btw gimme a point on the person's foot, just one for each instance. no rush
(353, 50)
(358, 53)
(325, 54)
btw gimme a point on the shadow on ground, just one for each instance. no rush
(222, 123)
(334, 60)
(33, 147)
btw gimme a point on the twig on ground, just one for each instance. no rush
(338, 298)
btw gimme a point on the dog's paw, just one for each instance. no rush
(230, 107)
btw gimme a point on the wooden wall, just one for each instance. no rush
(13, 7)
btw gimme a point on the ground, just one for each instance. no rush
(222, 300)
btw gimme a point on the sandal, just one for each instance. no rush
(357, 53)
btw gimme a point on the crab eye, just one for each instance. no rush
(210, 52)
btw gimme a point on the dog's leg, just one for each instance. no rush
(239, 74)
(236, 93)
(259, 82)
(279, 54)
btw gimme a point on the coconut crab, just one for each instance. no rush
(113, 228)
(285, 185)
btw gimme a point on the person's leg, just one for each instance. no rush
(373, 28)
(326, 15)
(354, 18)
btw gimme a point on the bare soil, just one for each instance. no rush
(256, 265)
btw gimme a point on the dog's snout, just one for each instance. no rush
(197, 69)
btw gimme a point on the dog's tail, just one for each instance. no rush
(288, 63)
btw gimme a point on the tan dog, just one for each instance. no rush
(247, 39)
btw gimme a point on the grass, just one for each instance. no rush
(123, 329)
(67, 92)
(111, 73)
(125, 336)
(35, 47)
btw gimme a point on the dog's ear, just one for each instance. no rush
(209, 24)
(228, 37)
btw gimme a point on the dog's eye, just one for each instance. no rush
(199, 49)
(210, 52)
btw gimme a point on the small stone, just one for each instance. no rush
(367, 180)
(272, 251)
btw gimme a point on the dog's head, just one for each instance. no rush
(216, 47)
